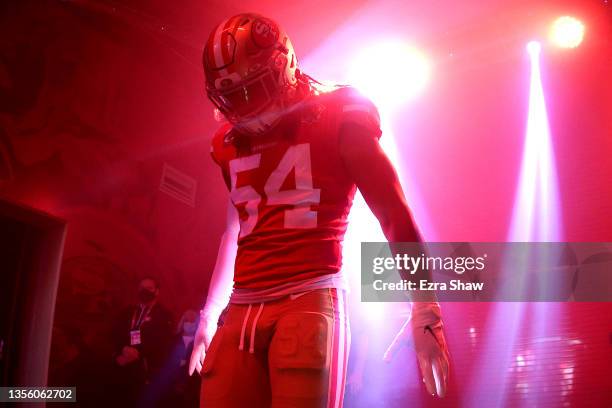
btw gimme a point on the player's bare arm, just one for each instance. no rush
(377, 181)
(379, 184)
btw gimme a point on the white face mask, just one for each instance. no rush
(189, 328)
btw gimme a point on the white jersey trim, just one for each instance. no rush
(328, 281)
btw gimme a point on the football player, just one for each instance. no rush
(292, 154)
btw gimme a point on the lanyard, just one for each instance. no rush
(137, 323)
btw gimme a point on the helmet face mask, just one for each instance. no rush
(250, 68)
(247, 98)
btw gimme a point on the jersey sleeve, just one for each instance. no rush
(357, 109)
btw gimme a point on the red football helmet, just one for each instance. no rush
(250, 69)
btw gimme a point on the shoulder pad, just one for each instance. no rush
(220, 143)
(354, 107)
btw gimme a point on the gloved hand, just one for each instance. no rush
(207, 327)
(423, 330)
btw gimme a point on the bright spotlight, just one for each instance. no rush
(534, 47)
(390, 73)
(537, 208)
(567, 32)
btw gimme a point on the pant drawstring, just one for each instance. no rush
(244, 323)
(252, 346)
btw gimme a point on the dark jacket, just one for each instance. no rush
(157, 334)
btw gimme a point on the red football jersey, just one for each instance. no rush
(291, 190)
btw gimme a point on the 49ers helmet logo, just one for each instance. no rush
(264, 32)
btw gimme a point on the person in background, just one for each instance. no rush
(186, 330)
(143, 340)
(185, 388)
